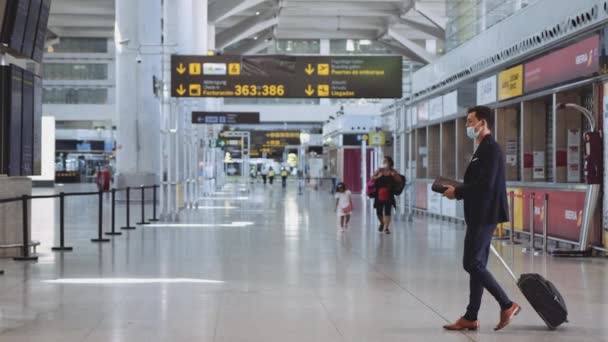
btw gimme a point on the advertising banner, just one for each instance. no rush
(423, 111)
(511, 83)
(486, 90)
(436, 108)
(450, 104)
(539, 165)
(377, 139)
(577, 60)
(565, 213)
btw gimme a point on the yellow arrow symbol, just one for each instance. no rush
(310, 70)
(181, 69)
(181, 90)
(309, 91)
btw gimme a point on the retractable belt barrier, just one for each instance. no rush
(26, 199)
(532, 198)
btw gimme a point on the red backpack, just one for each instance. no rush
(371, 190)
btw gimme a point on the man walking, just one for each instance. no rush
(485, 205)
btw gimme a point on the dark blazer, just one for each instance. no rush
(484, 190)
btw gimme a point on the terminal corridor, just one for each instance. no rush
(272, 265)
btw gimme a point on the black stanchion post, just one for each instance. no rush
(25, 253)
(154, 219)
(143, 207)
(128, 226)
(100, 220)
(113, 231)
(62, 247)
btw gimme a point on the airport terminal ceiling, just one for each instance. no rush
(402, 26)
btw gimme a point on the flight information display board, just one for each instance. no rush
(41, 28)
(20, 122)
(225, 118)
(280, 76)
(16, 95)
(37, 153)
(27, 124)
(31, 28)
(2, 13)
(14, 25)
(23, 25)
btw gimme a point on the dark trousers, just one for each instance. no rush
(476, 252)
(264, 179)
(284, 181)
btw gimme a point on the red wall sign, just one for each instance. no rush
(577, 60)
(565, 213)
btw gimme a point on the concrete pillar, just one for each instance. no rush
(138, 32)
(200, 24)
(211, 37)
(184, 25)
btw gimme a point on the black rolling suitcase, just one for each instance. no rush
(542, 295)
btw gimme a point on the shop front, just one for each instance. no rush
(546, 111)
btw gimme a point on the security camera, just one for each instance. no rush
(138, 59)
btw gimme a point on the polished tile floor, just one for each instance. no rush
(271, 266)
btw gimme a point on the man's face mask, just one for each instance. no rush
(472, 133)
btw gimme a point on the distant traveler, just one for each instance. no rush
(284, 175)
(384, 201)
(484, 193)
(264, 173)
(344, 205)
(253, 173)
(271, 175)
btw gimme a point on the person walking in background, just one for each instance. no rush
(253, 173)
(384, 201)
(284, 174)
(264, 173)
(271, 175)
(484, 192)
(344, 205)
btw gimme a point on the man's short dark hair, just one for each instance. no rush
(484, 113)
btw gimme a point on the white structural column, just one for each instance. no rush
(138, 25)
(184, 24)
(203, 41)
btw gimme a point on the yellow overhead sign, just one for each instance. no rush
(377, 139)
(511, 83)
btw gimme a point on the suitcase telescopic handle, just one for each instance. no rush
(503, 262)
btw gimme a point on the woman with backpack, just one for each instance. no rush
(386, 180)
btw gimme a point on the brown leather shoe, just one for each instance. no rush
(462, 324)
(506, 316)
